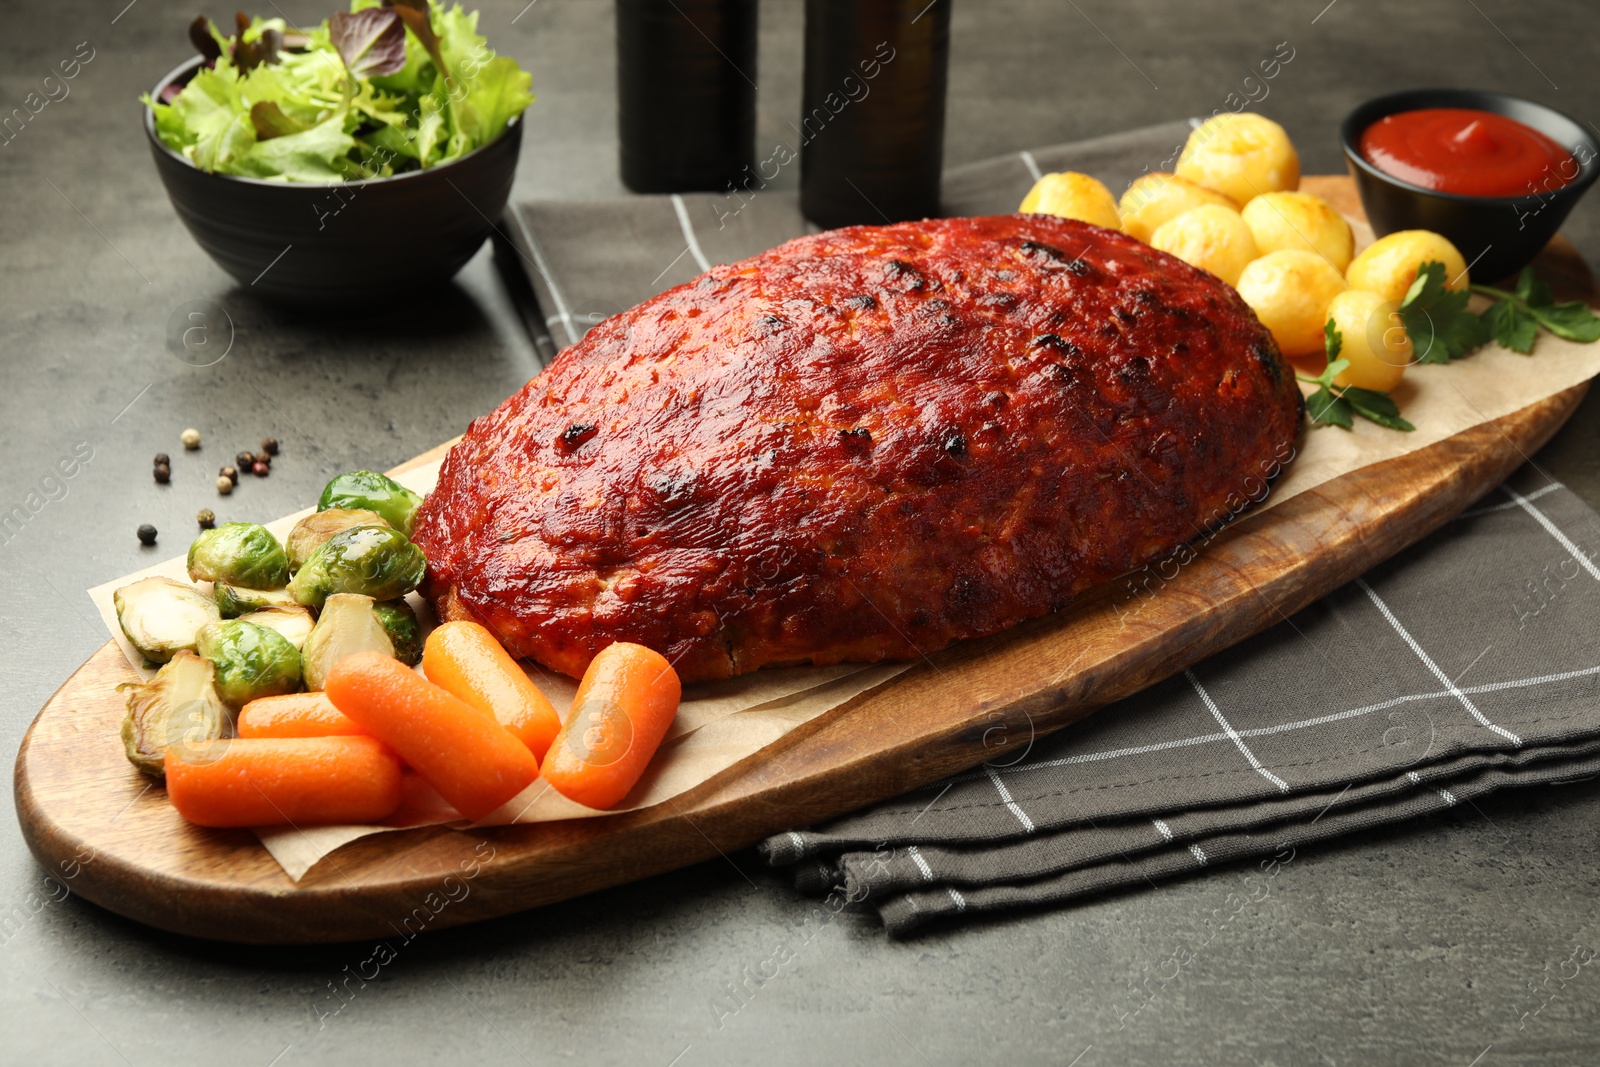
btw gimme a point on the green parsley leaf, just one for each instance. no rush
(1332, 343)
(1515, 319)
(1511, 326)
(1437, 320)
(1337, 405)
(1334, 368)
(1329, 409)
(1531, 290)
(1572, 320)
(1377, 406)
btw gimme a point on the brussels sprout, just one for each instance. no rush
(180, 704)
(309, 533)
(374, 492)
(252, 661)
(239, 553)
(293, 623)
(405, 633)
(234, 601)
(375, 561)
(347, 624)
(161, 616)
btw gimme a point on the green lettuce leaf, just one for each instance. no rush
(224, 143)
(499, 94)
(319, 154)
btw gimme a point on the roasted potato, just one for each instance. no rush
(1071, 195)
(1157, 197)
(1290, 291)
(1240, 156)
(1210, 237)
(1371, 338)
(1300, 221)
(1389, 265)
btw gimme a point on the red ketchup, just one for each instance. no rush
(1468, 152)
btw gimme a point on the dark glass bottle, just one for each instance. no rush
(872, 118)
(686, 92)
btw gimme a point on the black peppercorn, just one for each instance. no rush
(206, 518)
(147, 534)
(163, 473)
(243, 460)
(162, 460)
(230, 473)
(269, 445)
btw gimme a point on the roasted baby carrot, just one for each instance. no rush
(624, 707)
(296, 715)
(474, 762)
(277, 781)
(465, 660)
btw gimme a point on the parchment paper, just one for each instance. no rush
(721, 723)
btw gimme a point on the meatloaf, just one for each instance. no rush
(861, 445)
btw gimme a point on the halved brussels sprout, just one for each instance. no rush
(374, 561)
(252, 661)
(239, 553)
(374, 492)
(405, 633)
(179, 705)
(234, 600)
(161, 616)
(347, 624)
(293, 623)
(309, 533)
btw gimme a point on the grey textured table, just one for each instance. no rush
(1435, 943)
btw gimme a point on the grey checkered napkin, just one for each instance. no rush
(1467, 664)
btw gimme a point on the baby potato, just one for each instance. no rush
(1210, 237)
(1389, 265)
(1290, 290)
(1156, 197)
(1300, 221)
(1240, 156)
(1072, 196)
(1372, 339)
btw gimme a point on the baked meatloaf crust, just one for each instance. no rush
(860, 445)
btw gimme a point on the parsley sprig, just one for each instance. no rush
(1437, 320)
(1515, 319)
(1337, 405)
(1441, 328)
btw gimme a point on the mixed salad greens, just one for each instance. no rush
(379, 90)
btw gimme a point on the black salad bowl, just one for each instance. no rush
(336, 246)
(1497, 235)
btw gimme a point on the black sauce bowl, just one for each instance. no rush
(1497, 235)
(336, 245)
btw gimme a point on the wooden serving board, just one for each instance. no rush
(83, 808)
